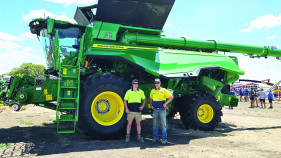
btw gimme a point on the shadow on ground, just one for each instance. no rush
(43, 140)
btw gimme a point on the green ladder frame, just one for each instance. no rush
(68, 91)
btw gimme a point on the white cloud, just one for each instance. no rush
(28, 35)
(7, 37)
(65, 18)
(249, 29)
(270, 37)
(8, 45)
(68, 2)
(14, 58)
(37, 14)
(263, 22)
(44, 14)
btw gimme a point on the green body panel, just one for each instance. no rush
(15, 84)
(25, 91)
(44, 92)
(214, 87)
(165, 62)
(3, 88)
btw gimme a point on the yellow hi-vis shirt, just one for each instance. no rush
(134, 96)
(160, 94)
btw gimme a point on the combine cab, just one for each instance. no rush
(91, 64)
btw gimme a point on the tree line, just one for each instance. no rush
(34, 70)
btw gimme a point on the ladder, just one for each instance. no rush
(68, 98)
(68, 92)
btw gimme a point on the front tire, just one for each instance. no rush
(16, 107)
(200, 111)
(101, 107)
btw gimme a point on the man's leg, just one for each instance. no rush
(138, 127)
(155, 123)
(130, 118)
(163, 123)
(139, 138)
(129, 127)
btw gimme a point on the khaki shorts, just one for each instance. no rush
(132, 115)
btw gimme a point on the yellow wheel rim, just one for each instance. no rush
(107, 108)
(205, 113)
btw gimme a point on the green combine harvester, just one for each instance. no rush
(90, 66)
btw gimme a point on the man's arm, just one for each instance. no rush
(126, 107)
(143, 102)
(168, 101)
(150, 102)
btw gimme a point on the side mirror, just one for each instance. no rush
(50, 25)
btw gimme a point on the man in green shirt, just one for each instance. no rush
(133, 106)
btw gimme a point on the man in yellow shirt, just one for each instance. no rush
(133, 106)
(158, 103)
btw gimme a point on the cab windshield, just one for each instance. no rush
(69, 40)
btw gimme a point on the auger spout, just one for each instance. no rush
(183, 43)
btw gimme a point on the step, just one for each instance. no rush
(65, 87)
(64, 76)
(67, 108)
(67, 98)
(66, 127)
(67, 104)
(69, 66)
(66, 117)
(66, 131)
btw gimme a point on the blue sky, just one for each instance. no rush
(252, 22)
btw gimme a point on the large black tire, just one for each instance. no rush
(200, 111)
(101, 109)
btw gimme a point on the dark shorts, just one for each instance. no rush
(252, 98)
(262, 100)
(270, 100)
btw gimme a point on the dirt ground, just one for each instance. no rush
(244, 132)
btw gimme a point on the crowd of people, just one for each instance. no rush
(254, 96)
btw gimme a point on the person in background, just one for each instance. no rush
(232, 92)
(158, 97)
(241, 94)
(251, 95)
(270, 99)
(133, 106)
(261, 94)
(246, 94)
(256, 98)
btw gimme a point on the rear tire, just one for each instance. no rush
(101, 109)
(200, 111)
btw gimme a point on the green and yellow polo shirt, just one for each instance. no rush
(134, 99)
(159, 97)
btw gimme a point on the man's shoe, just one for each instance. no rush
(154, 140)
(127, 140)
(140, 139)
(163, 141)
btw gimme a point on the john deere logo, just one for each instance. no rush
(108, 35)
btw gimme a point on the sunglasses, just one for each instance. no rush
(135, 83)
(157, 82)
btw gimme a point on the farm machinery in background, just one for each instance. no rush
(266, 81)
(90, 66)
(276, 90)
